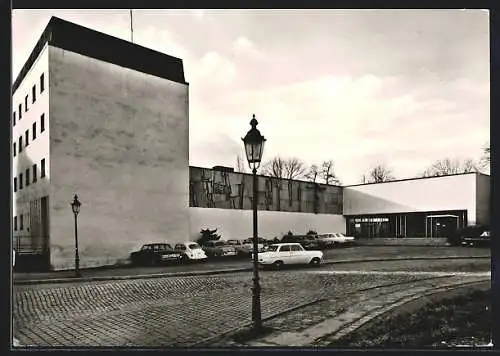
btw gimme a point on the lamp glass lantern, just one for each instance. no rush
(254, 145)
(75, 205)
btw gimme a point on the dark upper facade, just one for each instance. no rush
(85, 41)
(221, 188)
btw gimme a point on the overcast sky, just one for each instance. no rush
(360, 87)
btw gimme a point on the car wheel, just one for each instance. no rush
(278, 264)
(315, 262)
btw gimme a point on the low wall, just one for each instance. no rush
(237, 224)
(407, 241)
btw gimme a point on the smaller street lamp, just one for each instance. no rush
(75, 206)
(254, 146)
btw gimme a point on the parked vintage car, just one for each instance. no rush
(218, 248)
(335, 238)
(281, 254)
(241, 248)
(190, 251)
(261, 244)
(309, 242)
(154, 254)
(479, 239)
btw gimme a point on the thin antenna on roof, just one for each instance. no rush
(131, 27)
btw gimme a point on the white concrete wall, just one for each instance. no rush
(120, 139)
(38, 148)
(418, 195)
(237, 224)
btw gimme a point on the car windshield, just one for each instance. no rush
(272, 248)
(194, 246)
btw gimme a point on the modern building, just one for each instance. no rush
(107, 119)
(420, 207)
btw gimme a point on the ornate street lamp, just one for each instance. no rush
(254, 146)
(75, 206)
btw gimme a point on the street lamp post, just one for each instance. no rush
(254, 146)
(75, 206)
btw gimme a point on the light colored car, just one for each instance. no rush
(218, 249)
(191, 251)
(241, 249)
(335, 238)
(278, 255)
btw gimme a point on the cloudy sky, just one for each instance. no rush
(360, 87)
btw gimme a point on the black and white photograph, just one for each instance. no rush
(251, 179)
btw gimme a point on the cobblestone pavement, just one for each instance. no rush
(323, 322)
(180, 311)
(355, 252)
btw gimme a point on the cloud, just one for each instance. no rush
(245, 48)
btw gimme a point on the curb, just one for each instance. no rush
(223, 271)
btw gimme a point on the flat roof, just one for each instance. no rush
(417, 178)
(85, 41)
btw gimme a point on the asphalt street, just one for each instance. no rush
(182, 311)
(355, 252)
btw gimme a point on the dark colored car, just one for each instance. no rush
(483, 239)
(471, 236)
(308, 242)
(155, 254)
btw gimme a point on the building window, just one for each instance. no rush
(34, 130)
(15, 184)
(15, 223)
(20, 111)
(28, 177)
(20, 181)
(14, 119)
(42, 82)
(20, 144)
(42, 123)
(14, 148)
(33, 92)
(21, 225)
(42, 170)
(26, 138)
(26, 103)
(35, 173)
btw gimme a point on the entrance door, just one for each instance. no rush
(44, 227)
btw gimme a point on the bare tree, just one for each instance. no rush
(448, 166)
(312, 173)
(378, 174)
(275, 167)
(294, 168)
(486, 158)
(328, 173)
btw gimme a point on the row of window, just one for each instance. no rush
(27, 136)
(33, 99)
(26, 180)
(21, 223)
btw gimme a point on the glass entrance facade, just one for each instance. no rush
(427, 224)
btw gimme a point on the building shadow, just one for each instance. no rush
(31, 214)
